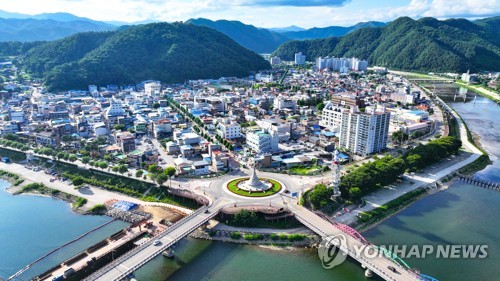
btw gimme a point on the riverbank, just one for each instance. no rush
(481, 91)
(281, 240)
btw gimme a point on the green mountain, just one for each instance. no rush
(424, 45)
(25, 30)
(259, 40)
(330, 31)
(161, 51)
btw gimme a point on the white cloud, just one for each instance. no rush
(269, 15)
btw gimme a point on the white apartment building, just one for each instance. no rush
(364, 133)
(331, 117)
(114, 111)
(263, 141)
(152, 88)
(342, 65)
(300, 59)
(229, 129)
(279, 127)
(281, 103)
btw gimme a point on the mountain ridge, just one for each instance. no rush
(426, 44)
(170, 53)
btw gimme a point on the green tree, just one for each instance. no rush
(156, 105)
(122, 169)
(85, 159)
(139, 173)
(119, 127)
(170, 171)
(355, 193)
(60, 155)
(245, 218)
(72, 157)
(319, 196)
(320, 106)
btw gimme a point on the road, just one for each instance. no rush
(134, 259)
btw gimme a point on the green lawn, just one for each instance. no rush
(305, 170)
(233, 187)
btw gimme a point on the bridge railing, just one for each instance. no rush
(134, 251)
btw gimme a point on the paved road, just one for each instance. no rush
(134, 259)
(378, 264)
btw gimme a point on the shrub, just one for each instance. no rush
(235, 235)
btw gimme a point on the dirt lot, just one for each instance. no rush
(160, 213)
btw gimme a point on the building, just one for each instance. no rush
(347, 101)
(263, 141)
(275, 60)
(9, 127)
(469, 78)
(229, 129)
(152, 88)
(300, 59)
(114, 112)
(281, 103)
(279, 127)
(331, 117)
(364, 133)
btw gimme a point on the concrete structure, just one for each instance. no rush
(253, 184)
(331, 116)
(152, 88)
(281, 103)
(275, 60)
(263, 141)
(229, 129)
(300, 59)
(364, 133)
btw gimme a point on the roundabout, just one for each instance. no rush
(254, 186)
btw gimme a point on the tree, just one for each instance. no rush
(139, 173)
(122, 169)
(170, 171)
(154, 169)
(320, 106)
(60, 155)
(399, 137)
(102, 165)
(78, 180)
(161, 178)
(72, 157)
(108, 158)
(67, 138)
(119, 127)
(320, 196)
(355, 193)
(156, 105)
(85, 159)
(245, 218)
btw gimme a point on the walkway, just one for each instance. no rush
(131, 261)
(378, 264)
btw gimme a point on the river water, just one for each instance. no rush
(32, 226)
(463, 214)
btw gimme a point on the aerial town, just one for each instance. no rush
(289, 118)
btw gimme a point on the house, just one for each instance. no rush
(201, 167)
(183, 166)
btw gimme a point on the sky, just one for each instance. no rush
(261, 13)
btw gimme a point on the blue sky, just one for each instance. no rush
(262, 13)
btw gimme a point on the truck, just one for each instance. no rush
(5, 159)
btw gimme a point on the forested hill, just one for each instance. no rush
(426, 44)
(259, 40)
(161, 51)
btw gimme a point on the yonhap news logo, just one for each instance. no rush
(330, 251)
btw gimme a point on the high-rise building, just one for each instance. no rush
(364, 133)
(300, 59)
(275, 60)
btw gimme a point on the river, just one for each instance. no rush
(32, 226)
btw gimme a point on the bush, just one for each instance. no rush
(98, 208)
(235, 235)
(253, 236)
(245, 218)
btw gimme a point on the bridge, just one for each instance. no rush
(379, 264)
(134, 259)
(432, 81)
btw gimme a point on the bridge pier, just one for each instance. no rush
(368, 273)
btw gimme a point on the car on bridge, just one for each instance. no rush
(157, 243)
(391, 268)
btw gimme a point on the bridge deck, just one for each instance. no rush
(137, 257)
(379, 265)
